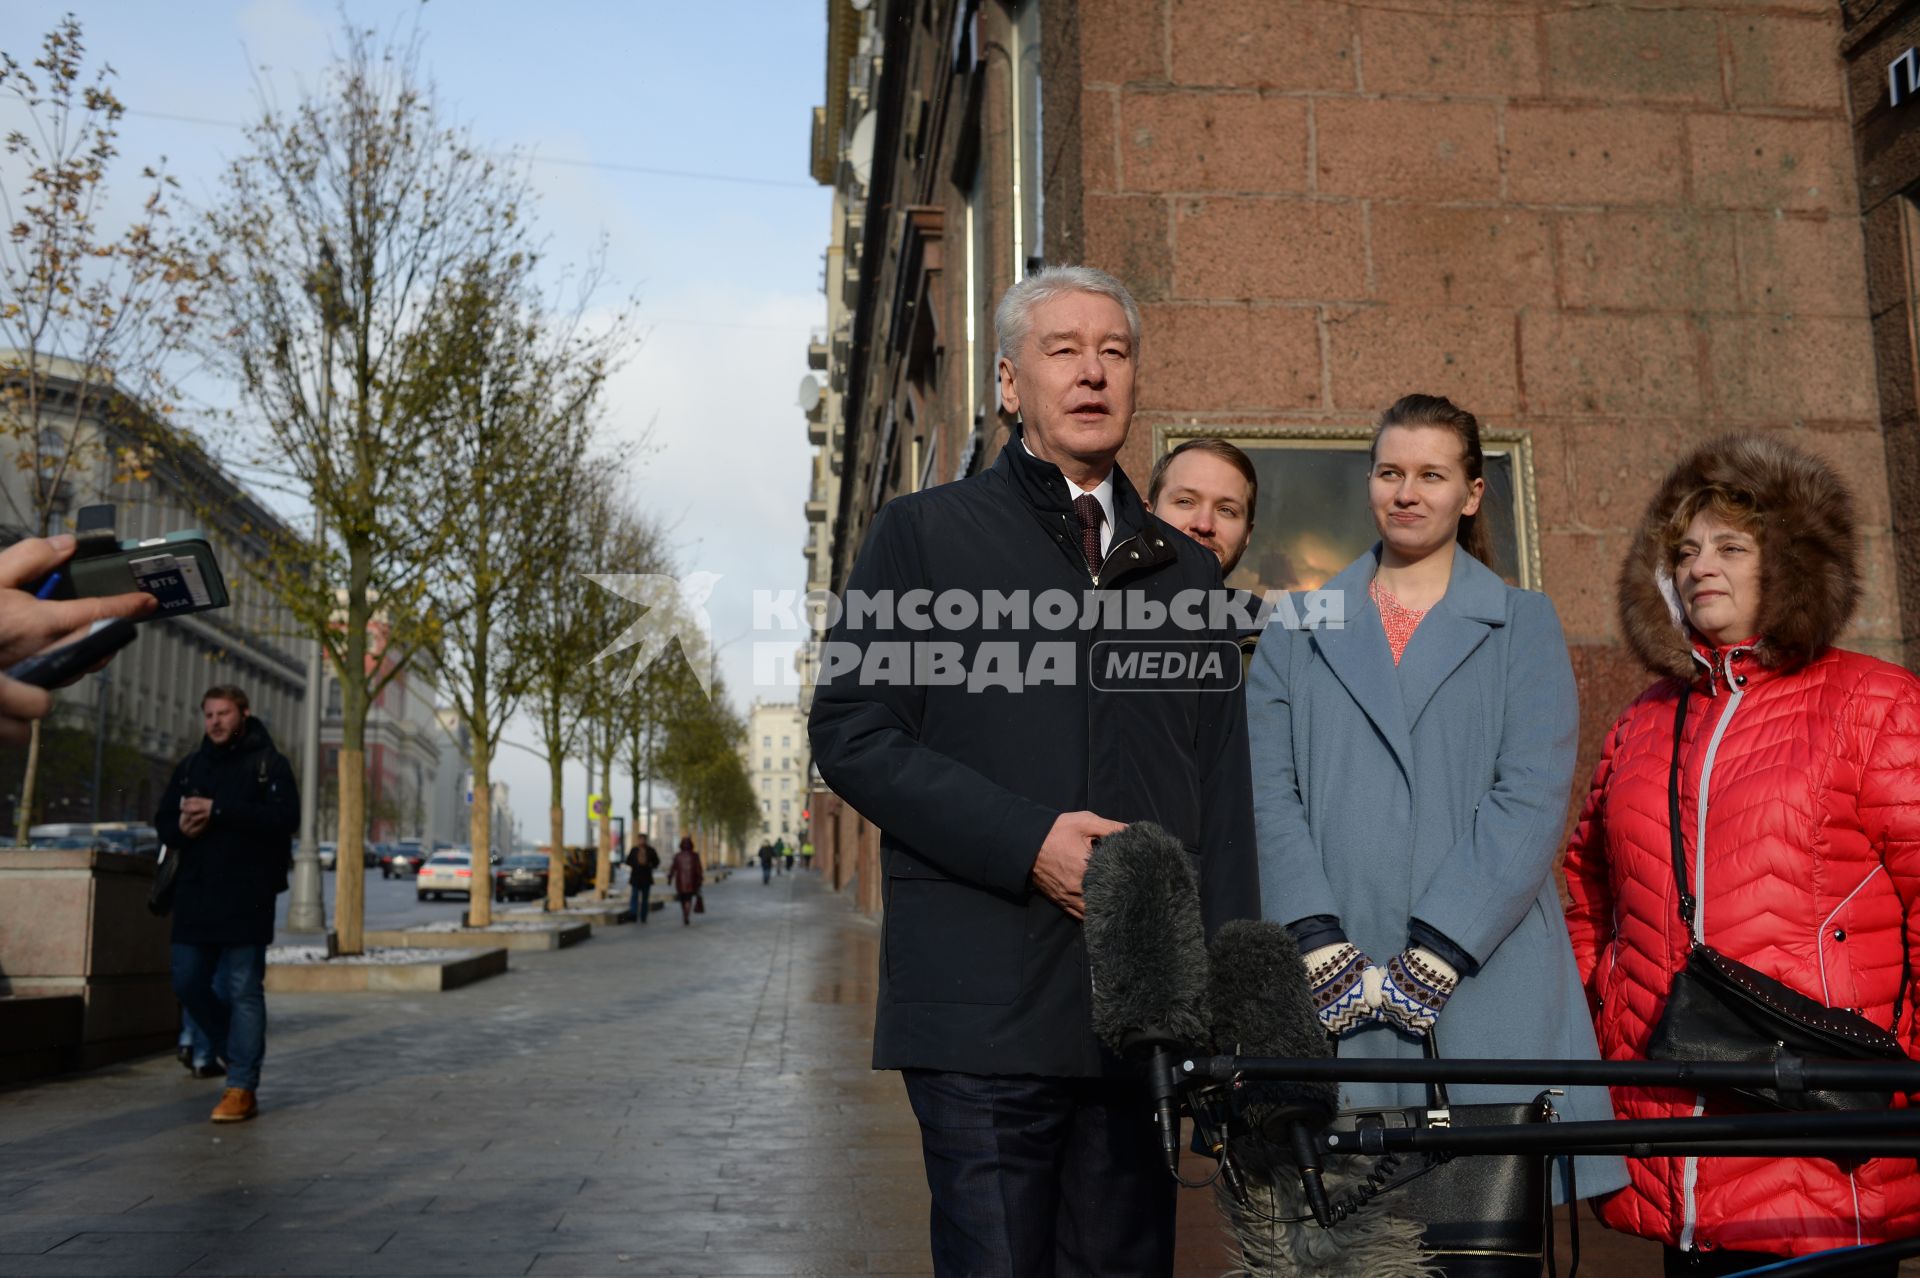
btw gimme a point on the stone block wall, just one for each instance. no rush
(1623, 229)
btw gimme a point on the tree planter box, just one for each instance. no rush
(395, 970)
(557, 935)
(598, 913)
(74, 923)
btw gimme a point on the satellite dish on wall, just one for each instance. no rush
(860, 150)
(809, 393)
(860, 6)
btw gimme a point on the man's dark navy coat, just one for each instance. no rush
(979, 972)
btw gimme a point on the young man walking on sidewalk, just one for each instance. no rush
(229, 814)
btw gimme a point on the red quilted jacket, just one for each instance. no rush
(1805, 786)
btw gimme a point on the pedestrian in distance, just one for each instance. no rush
(806, 854)
(766, 861)
(686, 876)
(786, 851)
(229, 812)
(1038, 1144)
(642, 861)
(1411, 774)
(1791, 766)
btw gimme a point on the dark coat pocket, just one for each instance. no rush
(949, 942)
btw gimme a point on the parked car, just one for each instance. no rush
(132, 837)
(522, 876)
(329, 854)
(397, 862)
(444, 872)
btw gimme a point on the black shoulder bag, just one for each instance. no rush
(165, 871)
(1719, 1009)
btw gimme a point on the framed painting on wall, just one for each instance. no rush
(1311, 519)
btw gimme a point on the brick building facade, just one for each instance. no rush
(1610, 231)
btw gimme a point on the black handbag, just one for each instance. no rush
(1487, 1214)
(1719, 1009)
(165, 871)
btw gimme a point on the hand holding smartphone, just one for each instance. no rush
(57, 666)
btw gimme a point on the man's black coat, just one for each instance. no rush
(979, 972)
(230, 874)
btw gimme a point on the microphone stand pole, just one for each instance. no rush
(1788, 1074)
(1857, 1133)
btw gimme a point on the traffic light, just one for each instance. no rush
(806, 814)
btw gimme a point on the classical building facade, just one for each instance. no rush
(1610, 230)
(144, 709)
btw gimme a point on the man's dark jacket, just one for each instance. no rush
(230, 874)
(980, 972)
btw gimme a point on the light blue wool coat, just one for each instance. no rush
(1438, 791)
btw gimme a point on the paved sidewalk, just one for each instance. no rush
(666, 1099)
(660, 1100)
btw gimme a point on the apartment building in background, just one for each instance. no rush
(775, 753)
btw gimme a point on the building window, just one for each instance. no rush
(786, 743)
(766, 742)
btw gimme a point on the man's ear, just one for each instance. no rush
(1009, 392)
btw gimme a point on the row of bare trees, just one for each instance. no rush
(410, 367)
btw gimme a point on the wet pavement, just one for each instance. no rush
(659, 1100)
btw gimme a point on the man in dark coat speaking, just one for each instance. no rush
(985, 701)
(229, 814)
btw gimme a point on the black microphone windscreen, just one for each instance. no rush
(1261, 1006)
(1146, 952)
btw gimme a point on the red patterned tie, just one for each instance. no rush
(1087, 508)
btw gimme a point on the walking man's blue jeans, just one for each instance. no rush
(639, 903)
(192, 1037)
(233, 1016)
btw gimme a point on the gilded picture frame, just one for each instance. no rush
(1311, 519)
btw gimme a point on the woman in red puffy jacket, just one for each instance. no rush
(1800, 816)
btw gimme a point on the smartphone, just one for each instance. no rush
(178, 569)
(55, 666)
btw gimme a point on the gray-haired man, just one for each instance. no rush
(990, 790)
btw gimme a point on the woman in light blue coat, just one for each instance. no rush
(1411, 771)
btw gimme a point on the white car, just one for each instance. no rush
(329, 854)
(445, 872)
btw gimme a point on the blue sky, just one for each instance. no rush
(727, 273)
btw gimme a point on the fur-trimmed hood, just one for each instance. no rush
(1809, 558)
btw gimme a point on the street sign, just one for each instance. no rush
(597, 806)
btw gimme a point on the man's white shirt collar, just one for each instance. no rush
(1102, 493)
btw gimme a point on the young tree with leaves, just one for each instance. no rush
(347, 219)
(519, 386)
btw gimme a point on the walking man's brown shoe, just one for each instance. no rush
(236, 1106)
